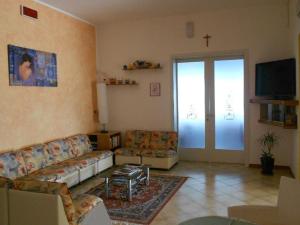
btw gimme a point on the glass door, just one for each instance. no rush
(228, 110)
(191, 104)
(210, 109)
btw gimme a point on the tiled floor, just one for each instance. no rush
(212, 187)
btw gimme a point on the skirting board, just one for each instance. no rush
(276, 167)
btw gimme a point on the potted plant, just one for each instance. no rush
(267, 142)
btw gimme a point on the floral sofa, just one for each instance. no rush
(35, 178)
(156, 148)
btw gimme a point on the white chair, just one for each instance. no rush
(287, 211)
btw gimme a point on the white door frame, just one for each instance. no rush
(210, 155)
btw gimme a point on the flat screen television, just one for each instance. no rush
(276, 80)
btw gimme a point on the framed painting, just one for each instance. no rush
(155, 89)
(28, 67)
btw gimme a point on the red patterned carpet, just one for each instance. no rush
(146, 202)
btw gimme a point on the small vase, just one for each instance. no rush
(267, 165)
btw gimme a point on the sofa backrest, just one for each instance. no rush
(163, 140)
(81, 144)
(137, 139)
(36, 157)
(12, 165)
(59, 150)
(15, 164)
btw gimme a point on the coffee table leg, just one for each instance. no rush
(148, 176)
(107, 187)
(129, 190)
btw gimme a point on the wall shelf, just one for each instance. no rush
(150, 68)
(122, 84)
(142, 65)
(281, 113)
(275, 102)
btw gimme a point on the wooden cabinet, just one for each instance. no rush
(280, 113)
(105, 141)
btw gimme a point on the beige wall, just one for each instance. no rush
(35, 114)
(262, 31)
(295, 40)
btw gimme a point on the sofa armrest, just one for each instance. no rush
(5, 183)
(93, 217)
(36, 209)
(262, 215)
(90, 210)
(53, 188)
(4, 205)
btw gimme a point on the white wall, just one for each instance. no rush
(262, 31)
(294, 35)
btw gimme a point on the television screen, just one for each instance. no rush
(276, 79)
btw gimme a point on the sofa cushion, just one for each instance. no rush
(59, 150)
(128, 151)
(42, 176)
(12, 165)
(163, 140)
(158, 153)
(87, 159)
(80, 143)
(81, 161)
(55, 172)
(36, 157)
(99, 154)
(60, 189)
(137, 139)
(84, 204)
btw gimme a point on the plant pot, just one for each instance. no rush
(267, 165)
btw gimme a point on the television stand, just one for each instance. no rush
(280, 113)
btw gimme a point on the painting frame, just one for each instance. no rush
(30, 67)
(155, 89)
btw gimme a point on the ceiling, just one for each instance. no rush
(103, 11)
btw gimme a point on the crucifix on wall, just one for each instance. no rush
(207, 37)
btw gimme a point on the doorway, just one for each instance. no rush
(209, 108)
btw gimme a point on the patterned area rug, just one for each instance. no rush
(146, 202)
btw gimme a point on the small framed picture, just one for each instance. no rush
(155, 89)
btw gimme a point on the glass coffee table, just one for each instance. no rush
(127, 176)
(215, 220)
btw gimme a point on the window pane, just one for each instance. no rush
(229, 104)
(191, 104)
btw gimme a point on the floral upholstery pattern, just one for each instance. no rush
(60, 189)
(59, 150)
(12, 165)
(83, 204)
(36, 157)
(158, 153)
(128, 151)
(152, 144)
(80, 143)
(163, 140)
(137, 139)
